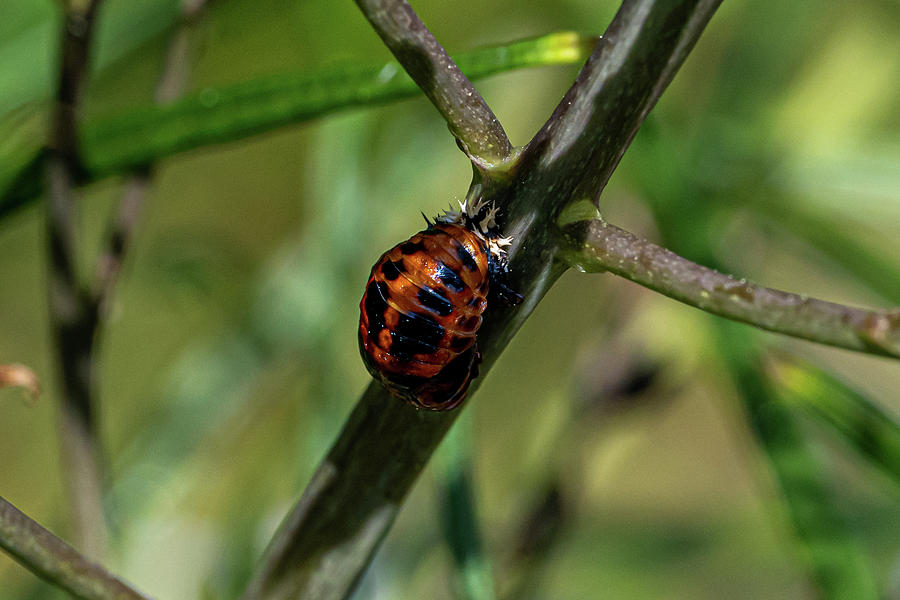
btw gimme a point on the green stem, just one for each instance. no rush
(325, 543)
(329, 537)
(597, 246)
(55, 561)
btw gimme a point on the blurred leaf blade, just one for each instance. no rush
(28, 38)
(26, 75)
(837, 565)
(459, 515)
(865, 427)
(23, 132)
(219, 115)
(686, 214)
(843, 245)
(231, 113)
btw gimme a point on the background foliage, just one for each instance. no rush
(231, 360)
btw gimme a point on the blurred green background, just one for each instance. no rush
(231, 357)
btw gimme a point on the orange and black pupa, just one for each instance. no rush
(423, 305)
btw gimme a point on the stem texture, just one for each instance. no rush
(597, 246)
(55, 561)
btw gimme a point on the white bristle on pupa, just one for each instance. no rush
(479, 216)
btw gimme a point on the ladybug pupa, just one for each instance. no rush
(423, 305)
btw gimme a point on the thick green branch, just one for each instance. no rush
(597, 246)
(329, 537)
(325, 543)
(52, 559)
(468, 115)
(584, 140)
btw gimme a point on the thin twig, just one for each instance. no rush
(123, 225)
(597, 246)
(72, 320)
(172, 83)
(470, 119)
(76, 311)
(55, 561)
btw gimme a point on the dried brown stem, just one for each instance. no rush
(172, 83)
(76, 310)
(55, 561)
(71, 316)
(470, 119)
(597, 246)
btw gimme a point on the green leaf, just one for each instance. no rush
(459, 517)
(26, 66)
(838, 566)
(29, 39)
(22, 131)
(217, 115)
(857, 420)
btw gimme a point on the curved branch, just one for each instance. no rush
(597, 246)
(471, 120)
(55, 561)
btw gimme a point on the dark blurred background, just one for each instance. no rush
(231, 357)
